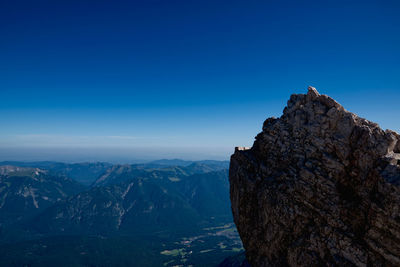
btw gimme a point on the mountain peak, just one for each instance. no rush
(312, 92)
(319, 186)
(20, 171)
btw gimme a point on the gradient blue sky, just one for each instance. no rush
(116, 80)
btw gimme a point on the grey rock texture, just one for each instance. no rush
(320, 186)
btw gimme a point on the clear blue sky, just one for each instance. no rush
(189, 79)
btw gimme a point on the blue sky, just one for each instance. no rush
(107, 80)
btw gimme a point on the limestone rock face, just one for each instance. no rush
(320, 186)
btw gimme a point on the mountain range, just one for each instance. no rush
(168, 212)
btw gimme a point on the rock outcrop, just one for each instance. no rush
(320, 186)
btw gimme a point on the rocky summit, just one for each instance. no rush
(319, 186)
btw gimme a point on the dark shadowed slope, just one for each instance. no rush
(162, 215)
(142, 205)
(25, 192)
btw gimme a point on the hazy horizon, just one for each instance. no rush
(111, 155)
(183, 79)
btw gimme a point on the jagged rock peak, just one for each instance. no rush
(312, 92)
(320, 186)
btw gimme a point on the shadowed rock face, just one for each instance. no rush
(319, 186)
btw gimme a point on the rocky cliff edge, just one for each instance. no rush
(320, 186)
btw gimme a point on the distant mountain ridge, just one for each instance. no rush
(130, 197)
(180, 162)
(88, 172)
(84, 173)
(120, 173)
(43, 204)
(25, 192)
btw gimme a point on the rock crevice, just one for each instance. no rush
(319, 186)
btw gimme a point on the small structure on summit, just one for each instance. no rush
(242, 148)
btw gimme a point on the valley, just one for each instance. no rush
(153, 214)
